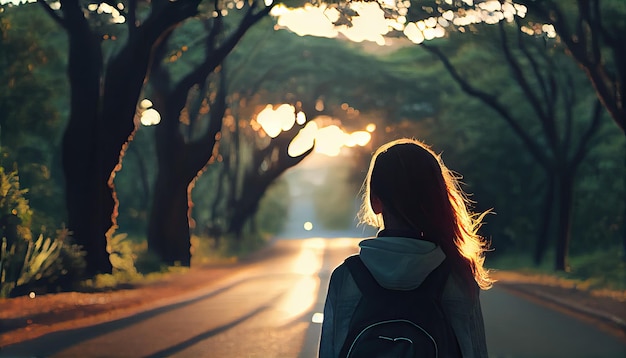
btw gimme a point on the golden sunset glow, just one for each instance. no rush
(145, 103)
(302, 297)
(372, 24)
(273, 121)
(360, 138)
(303, 141)
(327, 140)
(150, 117)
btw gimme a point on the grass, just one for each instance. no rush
(133, 264)
(601, 272)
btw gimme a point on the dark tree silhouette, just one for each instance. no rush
(181, 158)
(548, 88)
(104, 95)
(593, 36)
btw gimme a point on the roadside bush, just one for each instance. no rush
(38, 265)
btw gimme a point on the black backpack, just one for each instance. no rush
(394, 323)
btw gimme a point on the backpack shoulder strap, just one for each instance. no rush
(362, 276)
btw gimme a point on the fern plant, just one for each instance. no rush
(26, 263)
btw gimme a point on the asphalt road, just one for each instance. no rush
(268, 309)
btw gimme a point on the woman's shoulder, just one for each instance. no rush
(339, 273)
(341, 282)
(456, 289)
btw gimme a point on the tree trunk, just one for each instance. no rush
(89, 207)
(86, 165)
(179, 162)
(247, 206)
(168, 231)
(566, 188)
(624, 223)
(102, 116)
(546, 218)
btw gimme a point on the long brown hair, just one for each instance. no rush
(415, 186)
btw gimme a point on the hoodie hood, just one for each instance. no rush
(400, 263)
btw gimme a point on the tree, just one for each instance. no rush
(320, 77)
(591, 30)
(31, 88)
(546, 85)
(104, 95)
(182, 156)
(587, 29)
(593, 36)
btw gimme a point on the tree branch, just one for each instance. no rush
(546, 117)
(492, 102)
(546, 90)
(581, 150)
(131, 19)
(59, 20)
(610, 90)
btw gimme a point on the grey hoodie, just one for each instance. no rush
(399, 263)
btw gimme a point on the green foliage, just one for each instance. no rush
(12, 200)
(605, 268)
(600, 269)
(131, 262)
(33, 99)
(336, 199)
(121, 254)
(42, 264)
(497, 167)
(40, 255)
(273, 208)
(288, 68)
(599, 207)
(135, 181)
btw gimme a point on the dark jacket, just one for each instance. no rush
(400, 263)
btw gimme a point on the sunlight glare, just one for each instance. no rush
(308, 226)
(549, 30)
(309, 20)
(16, 2)
(329, 140)
(145, 103)
(370, 25)
(150, 117)
(303, 141)
(448, 15)
(300, 298)
(317, 317)
(413, 33)
(303, 294)
(300, 118)
(493, 5)
(274, 121)
(360, 138)
(104, 8)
